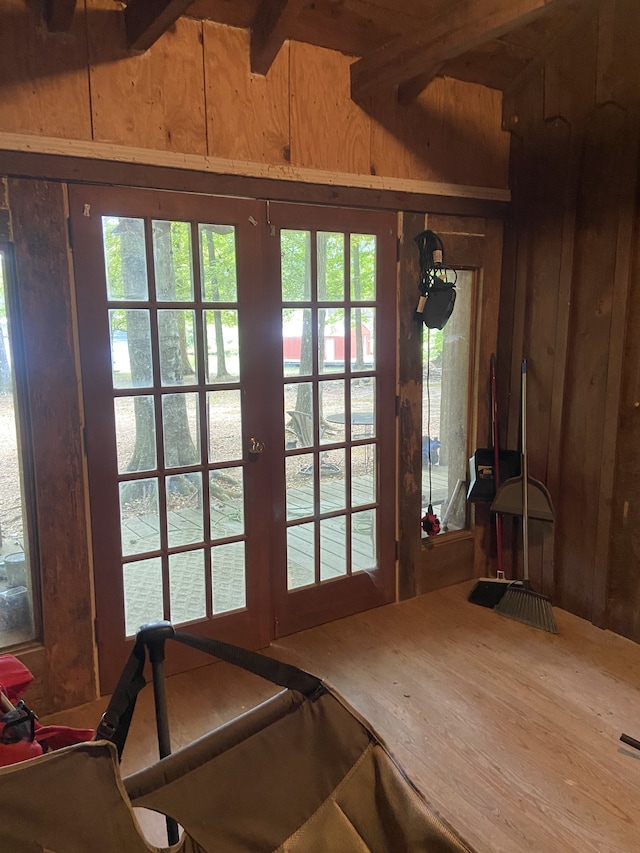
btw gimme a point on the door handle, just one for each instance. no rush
(256, 446)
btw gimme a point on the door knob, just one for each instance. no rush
(256, 446)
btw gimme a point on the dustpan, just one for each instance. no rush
(509, 499)
(510, 496)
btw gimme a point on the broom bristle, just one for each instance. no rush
(531, 608)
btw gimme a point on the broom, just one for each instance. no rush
(521, 602)
(488, 592)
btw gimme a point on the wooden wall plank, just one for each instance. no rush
(247, 114)
(40, 233)
(432, 138)
(328, 131)
(609, 497)
(410, 408)
(584, 438)
(43, 77)
(154, 100)
(618, 77)
(623, 599)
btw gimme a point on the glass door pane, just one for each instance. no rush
(446, 384)
(17, 623)
(331, 291)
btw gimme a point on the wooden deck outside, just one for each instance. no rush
(143, 584)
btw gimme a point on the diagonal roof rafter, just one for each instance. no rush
(147, 20)
(412, 60)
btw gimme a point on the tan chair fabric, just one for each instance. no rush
(294, 776)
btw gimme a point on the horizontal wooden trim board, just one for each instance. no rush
(76, 148)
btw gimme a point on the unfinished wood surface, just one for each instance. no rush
(64, 668)
(147, 20)
(328, 131)
(572, 240)
(623, 599)
(58, 14)
(432, 138)
(618, 78)
(510, 732)
(410, 407)
(585, 394)
(192, 93)
(43, 76)
(134, 100)
(447, 35)
(247, 114)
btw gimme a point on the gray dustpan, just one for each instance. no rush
(509, 499)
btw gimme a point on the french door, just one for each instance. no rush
(332, 276)
(238, 379)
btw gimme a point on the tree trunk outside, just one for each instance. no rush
(175, 420)
(221, 371)
(304, 400)
(357, 313)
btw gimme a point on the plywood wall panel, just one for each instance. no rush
(247, 114)
(152, 100)
(44, 88)
(451, 133)
(328, 130)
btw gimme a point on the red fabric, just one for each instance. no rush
(55, 737)
(15, 677)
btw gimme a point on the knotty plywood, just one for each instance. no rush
(43, 79)
(452, 132)
(328, 130)
(247, 114)
(151, 100)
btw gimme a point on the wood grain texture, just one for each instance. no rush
(247, 114)
(623, 593)
(510, 732)
(585, 397)
(431, 138)
(410, 408)
(43, 78)
(154, 100)
(328, 131)
(38, 212)
(445, 36)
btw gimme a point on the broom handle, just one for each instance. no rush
(496, 461)
(525, 475)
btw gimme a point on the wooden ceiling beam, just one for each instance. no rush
(147, 20)
(412, 60)
(58, 15)
(270, 29)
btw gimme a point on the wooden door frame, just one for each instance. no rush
(476, 244)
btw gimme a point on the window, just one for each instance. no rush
(17, 624)
(445, 410)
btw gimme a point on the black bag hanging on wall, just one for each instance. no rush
(437, 294)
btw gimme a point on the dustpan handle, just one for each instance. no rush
(525, 475)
